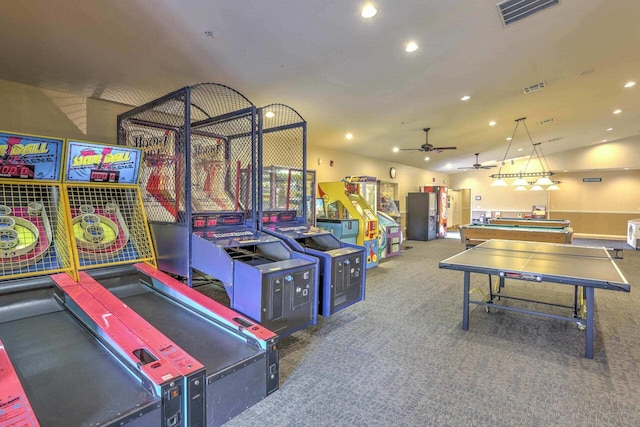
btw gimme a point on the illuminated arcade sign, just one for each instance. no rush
(354, 179)
(91, 162)
(30, 157)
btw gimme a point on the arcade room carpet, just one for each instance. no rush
(400, 358)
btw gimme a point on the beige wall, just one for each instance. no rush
(32, 110)
(29, 109)
(346, 164)
(496, 199)
(593, 208)
(601, 208)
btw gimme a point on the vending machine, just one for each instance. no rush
(441, 207)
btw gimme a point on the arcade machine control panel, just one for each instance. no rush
(266, 280)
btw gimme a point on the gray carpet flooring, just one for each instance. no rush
(400, 358)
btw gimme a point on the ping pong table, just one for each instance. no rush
(585, 268)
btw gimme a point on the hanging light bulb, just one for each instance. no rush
(553, 187)
(521, 188)
(536, 188)
(499, 183)
(544, 181)
(520, 182)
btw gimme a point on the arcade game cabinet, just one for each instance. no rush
(64, 359)
(283, 210)
(199, 179)
(390, 233)
(343, 209)
(112, 247)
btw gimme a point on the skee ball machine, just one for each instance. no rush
(343, 208)
(61, 364)
(390, 233)
(283, 210)
(198, 182)
(238, 357)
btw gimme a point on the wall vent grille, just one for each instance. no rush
(512, 11)
(534, 87)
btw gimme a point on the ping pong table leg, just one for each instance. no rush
(590, 322)
(465, 301)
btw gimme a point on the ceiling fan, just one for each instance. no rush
(426, 147)
(477, 165)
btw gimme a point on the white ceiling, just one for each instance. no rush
(343, 73)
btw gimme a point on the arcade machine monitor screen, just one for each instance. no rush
(320, 210)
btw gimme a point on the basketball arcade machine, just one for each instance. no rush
(342, 210)
(283, 210)
(62, 364)
(390, 233)
(199, 189)
(236, 360)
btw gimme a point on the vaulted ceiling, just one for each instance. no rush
(346, 74)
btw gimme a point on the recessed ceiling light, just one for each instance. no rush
(349, 135)
(604, 140)
(509, 139)
(369, 11)
(396, 149)
(519, 149)
(609, 129)
(492, 123)
(465, 98)
(426, 159)
(626, 169)
(269, 114)
(630, 84)
(617, 111)
(411, 47)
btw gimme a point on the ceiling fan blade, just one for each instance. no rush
(444, 148)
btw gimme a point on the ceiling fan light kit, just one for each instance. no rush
(426, 147)
(543, 176)
(478, 165)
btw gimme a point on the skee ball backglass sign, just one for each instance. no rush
(102, 163)
(25, 156)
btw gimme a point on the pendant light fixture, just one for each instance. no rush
(543, 176)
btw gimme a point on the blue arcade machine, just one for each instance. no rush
(199, 181)
(283, 211)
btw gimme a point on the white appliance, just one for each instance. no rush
(633, 233)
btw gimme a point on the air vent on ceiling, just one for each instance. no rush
(533, 88)
(547, 121)
(512, 11)
(554, 139)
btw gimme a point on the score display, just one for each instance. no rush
(274, 217)
(98, 175)
(218, 219)
(17, 171)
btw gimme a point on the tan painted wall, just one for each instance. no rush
(32, 110)
(601, 208)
